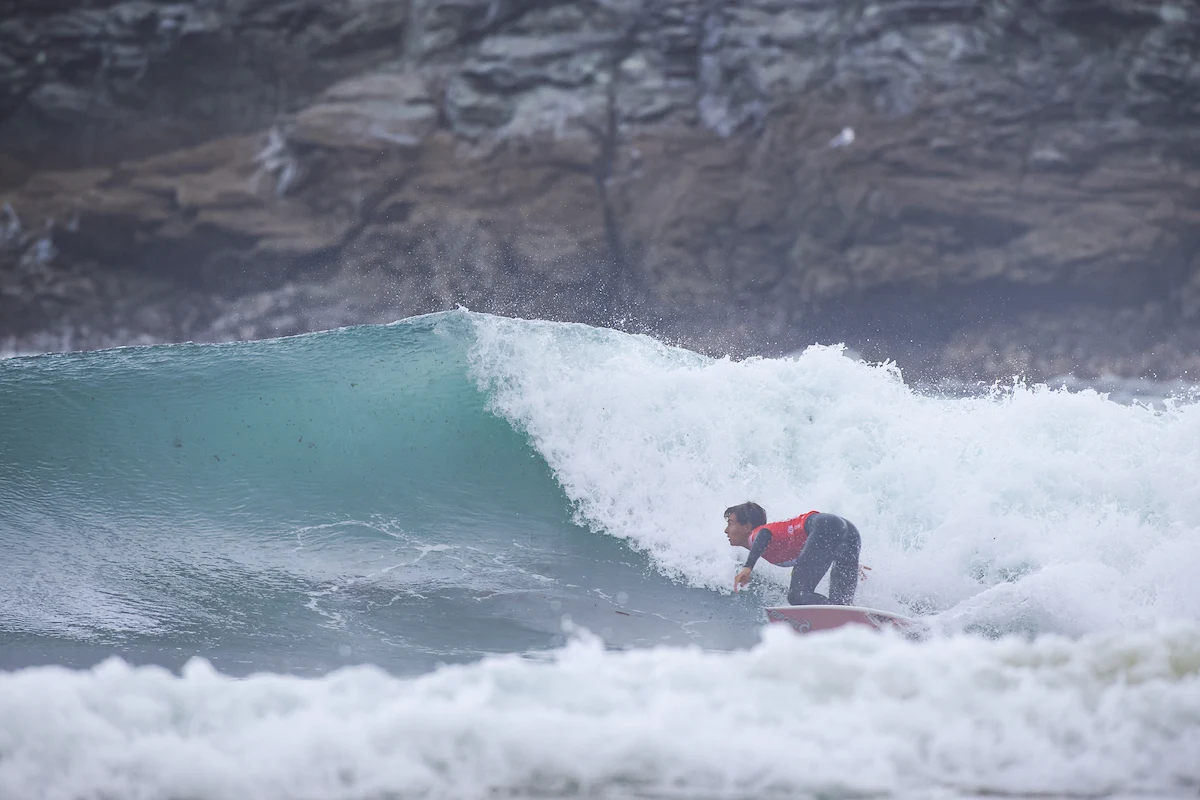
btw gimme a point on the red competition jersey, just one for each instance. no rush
(787, 539)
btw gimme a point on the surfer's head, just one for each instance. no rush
(741, 520)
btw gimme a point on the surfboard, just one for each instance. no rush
(807, 619)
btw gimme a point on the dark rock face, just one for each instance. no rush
(981, 187)
(95, 82)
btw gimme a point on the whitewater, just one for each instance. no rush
(471, 556)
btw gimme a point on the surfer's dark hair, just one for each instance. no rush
(748, 514)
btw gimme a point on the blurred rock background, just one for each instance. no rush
(976, 188)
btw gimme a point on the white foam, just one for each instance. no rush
(1062, 510)
(851, 712)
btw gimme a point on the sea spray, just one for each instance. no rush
(423, 496)
(1024, 508)
(845, 714)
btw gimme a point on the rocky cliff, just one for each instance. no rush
(975, 187)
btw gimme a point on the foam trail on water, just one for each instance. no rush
(402, 496)
(1031, 508)
(867, 714)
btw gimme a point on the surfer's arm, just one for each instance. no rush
(761, 542)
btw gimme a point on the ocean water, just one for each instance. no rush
(470, 556)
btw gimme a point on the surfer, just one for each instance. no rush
(810, 544)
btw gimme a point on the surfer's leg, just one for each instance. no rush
(825, 535)
(843, 578)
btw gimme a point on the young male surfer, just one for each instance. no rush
(810, 544)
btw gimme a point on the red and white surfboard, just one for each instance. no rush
(807, 619)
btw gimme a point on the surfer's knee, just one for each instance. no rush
(798, 597)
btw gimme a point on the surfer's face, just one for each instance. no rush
(737, 532)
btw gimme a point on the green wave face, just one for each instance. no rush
(257, 434)
(298, 504)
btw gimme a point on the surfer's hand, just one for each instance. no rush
(742, 578)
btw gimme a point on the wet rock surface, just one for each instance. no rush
(973, 187)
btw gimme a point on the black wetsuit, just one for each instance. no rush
(832, 541)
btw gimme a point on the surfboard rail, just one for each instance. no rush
(809, 619)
